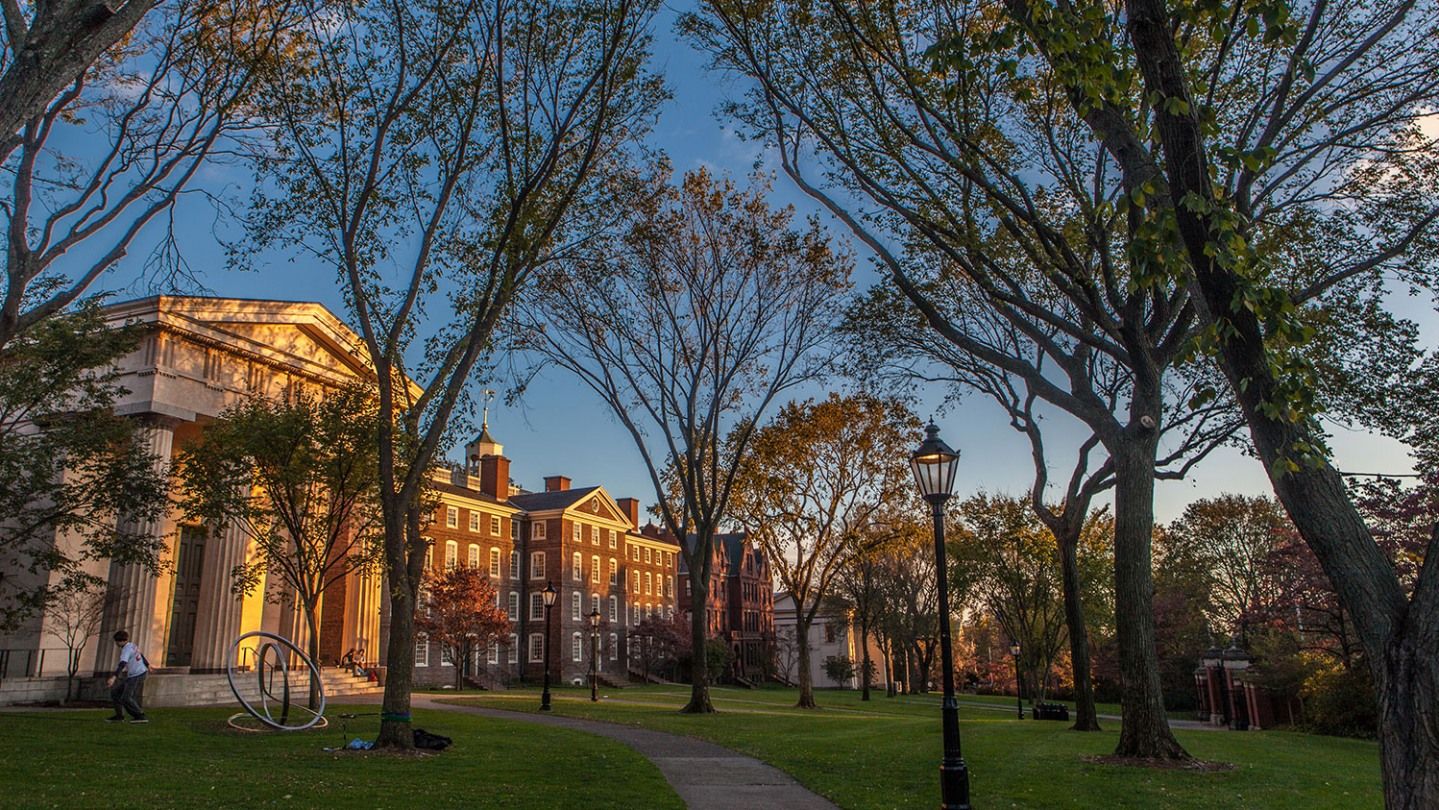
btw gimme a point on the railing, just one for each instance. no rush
(34, 662)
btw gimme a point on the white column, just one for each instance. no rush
(134, 588)
(220, 609)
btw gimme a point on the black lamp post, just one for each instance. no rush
(549, 594)
(934, 464)
(1018, 684)
(595, 655)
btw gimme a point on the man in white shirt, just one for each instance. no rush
(127, 681)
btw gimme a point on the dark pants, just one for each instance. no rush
(125, 694)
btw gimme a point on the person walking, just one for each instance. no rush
(128, 680)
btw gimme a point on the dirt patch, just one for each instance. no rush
(1196, 765)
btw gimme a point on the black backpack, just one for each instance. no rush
(431, 742)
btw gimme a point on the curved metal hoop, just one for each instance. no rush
(265, 673)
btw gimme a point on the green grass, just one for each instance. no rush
(885, 754)
(189, 758)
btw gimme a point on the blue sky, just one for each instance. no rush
(561, 428)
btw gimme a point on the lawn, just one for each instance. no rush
(189, 758)
(885, 754)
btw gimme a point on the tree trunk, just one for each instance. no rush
(1085, 717)
(864, 664)
(1144, 730)
(806, 680)
(312, 648)
(396, 730)
(699, 702)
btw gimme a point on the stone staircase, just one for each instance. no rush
(162, 689)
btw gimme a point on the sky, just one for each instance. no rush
(560, 428)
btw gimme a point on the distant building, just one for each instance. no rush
(582, 541)
(741, 603)
(830, 636)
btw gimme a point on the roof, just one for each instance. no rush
(545, 501)
(466, 492)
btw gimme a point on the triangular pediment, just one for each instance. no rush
(600, 506)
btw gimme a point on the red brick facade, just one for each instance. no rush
(741, 603)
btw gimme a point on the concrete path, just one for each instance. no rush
(706, 776)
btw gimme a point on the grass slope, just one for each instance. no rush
(189, 758)
(885, 754)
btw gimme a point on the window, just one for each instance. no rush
(669, 559)
(513, 653)
(452, 517)
(577, 646)
(537, 607)
(614, 608)
(577, 601)
(614, 644)
(594, 535)
(687, 587)
(647, 556)
(575, 532)
(494, 652)
(537, 565)
(537, 648)
(495, 563)
(514, 606)
(514, 530)
(635, 614)
(635, 552)
(614, 572)
(614, 539)
(474, 556)
(578, 567)
(537, 531)
(595, 568)
(649, 584)
(649, 611)
(452, 554)
(422, 651)
(594, 603)
(669, 586)
(635, 581)
(514, 565)
(495, 525)
(828, 633)
(429, 553)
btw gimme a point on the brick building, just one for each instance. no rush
(741, 604)
(581, 540)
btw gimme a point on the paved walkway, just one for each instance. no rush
(706, 776)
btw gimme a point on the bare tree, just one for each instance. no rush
(436, 154)
(702, 310)
(73, 618)
(814, 478)
(120, 140)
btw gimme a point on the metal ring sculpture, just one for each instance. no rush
(266, 672)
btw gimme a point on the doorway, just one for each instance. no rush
(189, 564)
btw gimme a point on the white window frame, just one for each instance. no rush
(577, 561)
(595, 572)
(474, 521)
(594, 603)
(493, 656)
(577, 646)
(514, 565)
(649, 584)
(648, 559)
(538, 530)
(513, 609)
(575, 535)
(512, 655)
(614, 572)
(614, 608)
(614, 538)
(537, 565)
(452, 517)
(537, 648)
(474, 556)
(537, 607)
(495, 526)
(635, 582)
(495, 562)
(422, 650)
(577, 604)
(594, 535)
(452, 555)
(614, 645)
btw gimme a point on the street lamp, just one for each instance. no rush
(934, 464)
(595, 655)
(549, 594)
(1018, 684)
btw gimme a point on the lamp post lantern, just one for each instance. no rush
(595, 655)
(934, 465)
(1018, 684)
(549, 594)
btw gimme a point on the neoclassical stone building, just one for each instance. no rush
(199, 356)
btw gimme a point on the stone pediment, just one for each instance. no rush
(600, 506)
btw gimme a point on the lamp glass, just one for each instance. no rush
(549, 594)
(594, 618)
(934, 465)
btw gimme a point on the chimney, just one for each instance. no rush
(495, 477)
(556, 483)
(631, 507)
